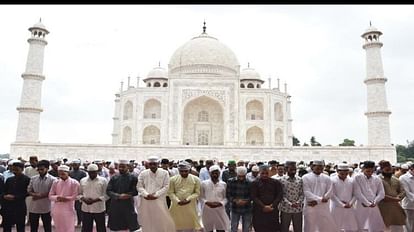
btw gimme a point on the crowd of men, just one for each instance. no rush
(159, 195)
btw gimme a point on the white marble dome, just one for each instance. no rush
(249, 73)
(206, 55)
(39, 25)
(157, 72)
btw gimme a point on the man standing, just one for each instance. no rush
(63, 195)
(77, 174)
(93, 197)
(184, 190)
(230, 172)
(407, 182)
(254, 174)
(317, 188)
(54, 164)
(204, 173)
(153, 184)
(291, 206)
(121, 189)
(390, 208)
(369, 191)
(13, 198)
(39, 189)
(266, 194)
(239, 196)
(343, 199)
(213, 198)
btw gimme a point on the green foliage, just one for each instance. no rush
(347, 142)
(405, 153)
(296, 141)
(313, 142)
(305, 144)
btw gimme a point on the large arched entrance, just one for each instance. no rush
(203, 122)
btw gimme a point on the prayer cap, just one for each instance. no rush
(18, 163)
(123, 161)
(288, 163)
(241, 170)
(264, 167)
(63, 168)
(397, 165)
(97, 162)
(214, 168)
(76, 161)
(384, 163)
(11, 162)
(165, 161)
(231, 162)
(255, 168)
(318, 162)
(53, 161)
(183, 166)
(92, 168)
(252, 163)
(369, 164)
(343, 167)
(405, 166)
(153, 158)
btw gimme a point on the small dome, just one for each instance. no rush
(371, 29)
(249, 73)
(157, 72)
(39, 25)
(204, 54)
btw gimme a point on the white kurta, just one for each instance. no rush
(153, 215)
(318, 217)
(214, 218)
(342, 191)
(368, 191)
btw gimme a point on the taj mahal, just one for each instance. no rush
(203, 105)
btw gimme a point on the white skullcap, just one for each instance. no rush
(183, 165)
(153, 158)
(76, 161)
(351, 169)
(343, 167)
(123, 161)
(214, 168)
(241, 171)
(404, 166)
(397, 165)
(255, 168)
(63, 168)
(318, 162)
(11, 162)
(252, 163)
(92, 167)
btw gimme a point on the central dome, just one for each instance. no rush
(204, 54)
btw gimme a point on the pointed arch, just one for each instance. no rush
(278, 112)
(128, 109)
(279, 137)
(126, 135)
(254, 110)
(254, 136)
(151, 135)
(152, 109)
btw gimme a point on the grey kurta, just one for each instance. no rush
(122, 215)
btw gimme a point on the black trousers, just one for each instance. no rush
(87, 222)
(12, 218)
(34, 221)
(78, 211)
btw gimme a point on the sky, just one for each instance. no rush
(315, 49)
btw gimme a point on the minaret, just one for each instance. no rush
(117, 113)
(30, 103)
(377, 109)
(289, 133)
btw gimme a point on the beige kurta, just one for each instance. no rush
(391, 211)
(184, 216)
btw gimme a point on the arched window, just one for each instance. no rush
(278, 112)
(250, 86)
(128, 107)
(126, 135)
(254, 110)
(258, 86)
(202, 138)
(165, 85)
(149, 84)
(203, 116)
(242, 85)
(152, 109)
(151, 135)
(254, 136)
(157, 84)
(279, 137)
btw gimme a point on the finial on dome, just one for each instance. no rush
(370, 23)
(248, 64)
(159, 63)
(40, 19)
(204, 27)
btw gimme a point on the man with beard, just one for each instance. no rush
(121, 189)
(77, 174)
(39, 189)
(153, 184)
(317, 188)
(63, 194)
(213, 198)
(369, 191)
(230, 172)
(266, 193)
(184, 190)
(93, 197)
(390, 207)
(13, 198)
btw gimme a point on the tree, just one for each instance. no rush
(347, 142)
(296, 141)
(405, 153)
(313, 142)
